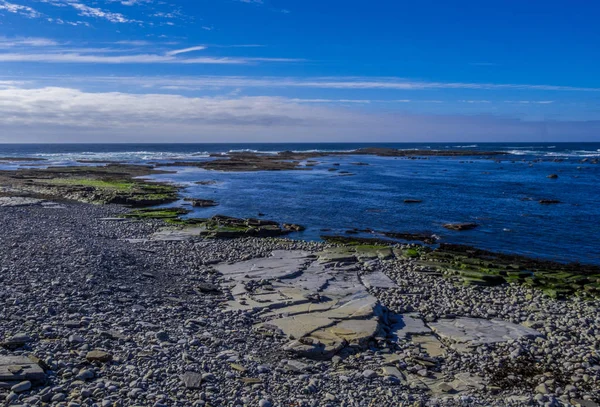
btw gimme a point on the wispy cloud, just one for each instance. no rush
(87, 11)
(6, 42)
(83, 10)
(356, 83)
(186, 50)
(13, 8)
(71, 57)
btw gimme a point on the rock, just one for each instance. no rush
(207, 287)
(86, 375)
(461, 226)
(98, 356)
(76, 339)
(264, 403)
(478, 331)
(12, 201)
(19, 368)
(406, 325)
(369, 374)
(392, 371)
(162, 336)
(21, 387)
(192, 380)
(293, 227)
(16, 341)
(201, 203)
(542, 389)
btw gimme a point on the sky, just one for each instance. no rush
(299, 71)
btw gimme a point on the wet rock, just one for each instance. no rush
(201, 203)
(461, 226)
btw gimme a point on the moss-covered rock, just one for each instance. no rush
(110, 184)
(480, 267)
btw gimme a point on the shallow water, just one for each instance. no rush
(500, 196)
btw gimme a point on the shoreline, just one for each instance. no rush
(162, 310)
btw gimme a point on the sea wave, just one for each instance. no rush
(127, 156)
(468, 146)
(568, 153)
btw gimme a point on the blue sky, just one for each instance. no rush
(279, 70)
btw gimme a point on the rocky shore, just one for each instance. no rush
(97, 309)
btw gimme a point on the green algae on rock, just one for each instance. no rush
(110, 184)
(480, 267)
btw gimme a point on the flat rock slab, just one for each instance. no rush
(377, 279)
(178, 234)
(406, 325)
(478, 331)
(282, 264)
(320, 307)
(19, 368)
(12, 201)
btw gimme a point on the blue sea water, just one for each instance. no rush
(501, 195)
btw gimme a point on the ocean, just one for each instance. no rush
(501, 194)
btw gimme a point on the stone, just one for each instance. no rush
(392, 371)
(407, 325)
(461, 226)
(19, 368)
(369, 374)
(21, 387)
(76, 339)
(16, 341)
(98, 356)
(479, 331)
(86, 375)
(12, 201)
(192, 380)
(542, 389)
(377, 279)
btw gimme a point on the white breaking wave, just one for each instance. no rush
(122, 156)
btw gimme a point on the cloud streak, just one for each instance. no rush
(186, 50)
(340, 83)
(77, 58)
(54, 114)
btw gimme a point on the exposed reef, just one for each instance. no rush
(113, 183)
(288, 160)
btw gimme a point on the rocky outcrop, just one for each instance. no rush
(201, 203)
(461, 226)
(110, 184)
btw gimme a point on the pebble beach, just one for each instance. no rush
(100, 313)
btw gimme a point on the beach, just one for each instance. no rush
(122, 285)
(117, 315)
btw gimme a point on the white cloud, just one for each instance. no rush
(71, 57)
(87, 11)
(6, 42)
(13, 8)
(350, 83)
(56, 114)
(186, 50)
